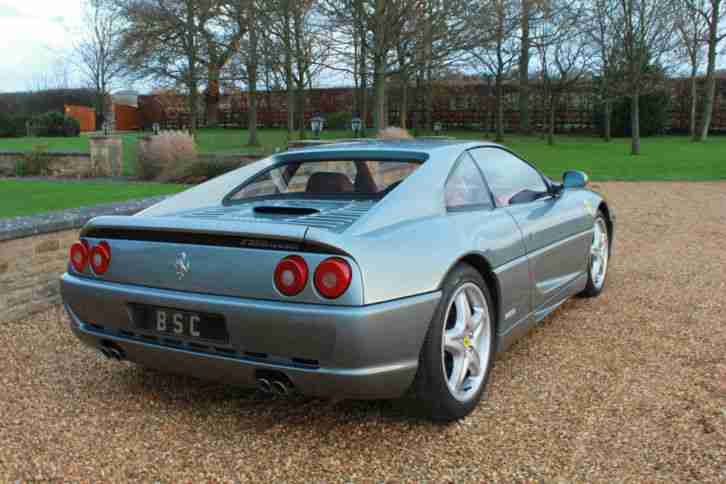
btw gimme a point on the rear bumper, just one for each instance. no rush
(346, 352)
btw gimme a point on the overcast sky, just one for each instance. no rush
(32, 35)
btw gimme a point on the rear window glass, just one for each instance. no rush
(328, 179)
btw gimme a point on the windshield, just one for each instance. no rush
(326, 179)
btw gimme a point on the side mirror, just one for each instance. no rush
(574, 179)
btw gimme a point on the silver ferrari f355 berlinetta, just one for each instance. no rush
(353, 270)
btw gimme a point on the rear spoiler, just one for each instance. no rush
(180, 230)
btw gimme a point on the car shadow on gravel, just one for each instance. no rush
(185, 394)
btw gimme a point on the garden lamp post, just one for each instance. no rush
(316, 123)
(355, 126)
(438, 128)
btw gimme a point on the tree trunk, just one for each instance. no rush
(212, 98)
(363, 72)
(252, 77)
(524, 120)
(429, 98)
(301, 110)
(379, 83)
(551, 121)
(635, 122)
(500, 109)
(193, 106)
(404, 102)
(428, 61)
(607, 128)
(710, 77)
(694, 103)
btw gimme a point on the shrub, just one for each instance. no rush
(338, 121)
(166, 156)
(54, 123)
(12, 126)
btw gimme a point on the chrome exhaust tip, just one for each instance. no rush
(263, 385)
(115, 354)
(112, 352)
(280, 388)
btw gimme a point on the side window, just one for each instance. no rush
(510, 179)
(465, 186)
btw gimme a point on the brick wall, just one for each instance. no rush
(29, 271)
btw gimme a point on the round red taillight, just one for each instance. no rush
(79, 256)
(332, 277)
(291, 275)
(100, 258)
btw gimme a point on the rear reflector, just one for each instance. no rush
(291, 275)
(79, 256)
(100, 258)
(332, 277)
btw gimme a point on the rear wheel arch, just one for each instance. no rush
(479, 262)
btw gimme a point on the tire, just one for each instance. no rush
(436, 388)
(598, 258)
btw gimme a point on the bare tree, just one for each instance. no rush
(164, 41)
(221, 36)
(645, 30)
(98, 55)
(600, 32)
(496, 49)
(524, 54)
(692, 33)
(250, 22)
(711, 12)
(564, 54)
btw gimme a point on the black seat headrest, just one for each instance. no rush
(329, 182)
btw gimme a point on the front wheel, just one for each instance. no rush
(599, 258)
(458, 351)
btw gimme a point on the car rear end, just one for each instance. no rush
(238, 294)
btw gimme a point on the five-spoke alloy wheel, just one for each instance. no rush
(458, 352)
(466, 341)
(599, 257)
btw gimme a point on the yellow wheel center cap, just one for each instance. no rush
(467, 342)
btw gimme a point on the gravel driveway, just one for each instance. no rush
(627, 387)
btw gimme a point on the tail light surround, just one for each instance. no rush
(291, 275)
(332, 277)
(79, 254)
(100, 258)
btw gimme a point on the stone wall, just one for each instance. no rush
(62, 164)
(29, 272)
(34, 254)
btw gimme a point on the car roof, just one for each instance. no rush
(420, 146)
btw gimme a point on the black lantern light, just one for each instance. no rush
(316, 123)
(355, 125)
(438, 128)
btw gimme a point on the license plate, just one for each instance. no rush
(183, 324)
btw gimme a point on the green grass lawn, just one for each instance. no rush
(29, 197)
(662, 158)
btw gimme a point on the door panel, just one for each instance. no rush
(553, 229)
(557, 239)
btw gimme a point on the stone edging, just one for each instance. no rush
(19, 227)
(46, 153)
